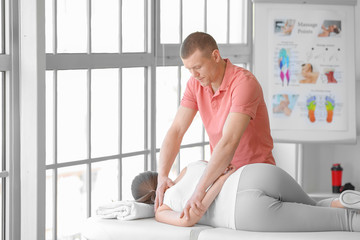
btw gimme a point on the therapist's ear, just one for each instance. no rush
(216, 55)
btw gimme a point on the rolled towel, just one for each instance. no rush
(126, 210)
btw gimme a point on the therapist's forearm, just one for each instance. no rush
(169, 149)
(224, 151)
(221, 158)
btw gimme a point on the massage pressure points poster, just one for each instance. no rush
(307, 84)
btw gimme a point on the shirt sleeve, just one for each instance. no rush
(189, 98)
(246, 96)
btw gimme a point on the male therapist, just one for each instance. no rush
(231, 105)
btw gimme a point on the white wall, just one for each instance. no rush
(285, 157)
(318, 158)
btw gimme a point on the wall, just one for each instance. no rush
(318, 158)
(285, 157)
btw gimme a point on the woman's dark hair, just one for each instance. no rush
(198, 41)
(143, 187)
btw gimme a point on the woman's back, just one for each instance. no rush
(221, 212)
(177, 196)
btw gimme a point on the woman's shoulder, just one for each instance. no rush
(197, 165)
(199, 162)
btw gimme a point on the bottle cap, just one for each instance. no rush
(336, 167)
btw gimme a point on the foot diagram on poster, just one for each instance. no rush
(283, 104)
(321, 108)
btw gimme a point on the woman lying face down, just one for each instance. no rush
(255, 197)
(144, 187)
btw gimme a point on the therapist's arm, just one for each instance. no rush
(235, 126)
(170, 148)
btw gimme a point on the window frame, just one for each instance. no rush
(31, 62)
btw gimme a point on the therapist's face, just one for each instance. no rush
(203, 68)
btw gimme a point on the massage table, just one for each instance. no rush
(96, 228)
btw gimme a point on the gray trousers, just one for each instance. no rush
(269, 199)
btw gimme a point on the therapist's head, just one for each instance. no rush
(143, 187)
(201, 41)
(200, 54)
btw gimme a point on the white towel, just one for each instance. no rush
(126, 210)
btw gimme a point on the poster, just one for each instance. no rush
(308, 79)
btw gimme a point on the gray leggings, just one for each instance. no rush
(269, 199)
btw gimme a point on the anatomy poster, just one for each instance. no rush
(307, 70)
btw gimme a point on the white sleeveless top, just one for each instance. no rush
(221, 212)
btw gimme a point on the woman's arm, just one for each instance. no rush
(166, 215)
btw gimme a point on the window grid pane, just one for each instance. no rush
(3, 166)
(50, 93)
(72, 115)
(2, 197)
(131, 166)
(104, 112)
(188, 155)
(105, 26)
(2, 27)
(193, 16)
(133, 26)
(133, 88)
(166, 100)
(104, 188)
(170, 21)
(49, 218)
(72, 30)
(71, 208)
(2, 120)
(217, 20)
(49, 26)
(238, 21)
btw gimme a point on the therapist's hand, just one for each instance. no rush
(163, 184)
(195, 204)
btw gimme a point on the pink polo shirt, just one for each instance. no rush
(239, 92)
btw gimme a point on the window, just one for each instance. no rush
(114, 81)
(97, 106)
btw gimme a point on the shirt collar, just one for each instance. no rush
(227, 75)
(226, 79)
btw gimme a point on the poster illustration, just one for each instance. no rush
(307, 87)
